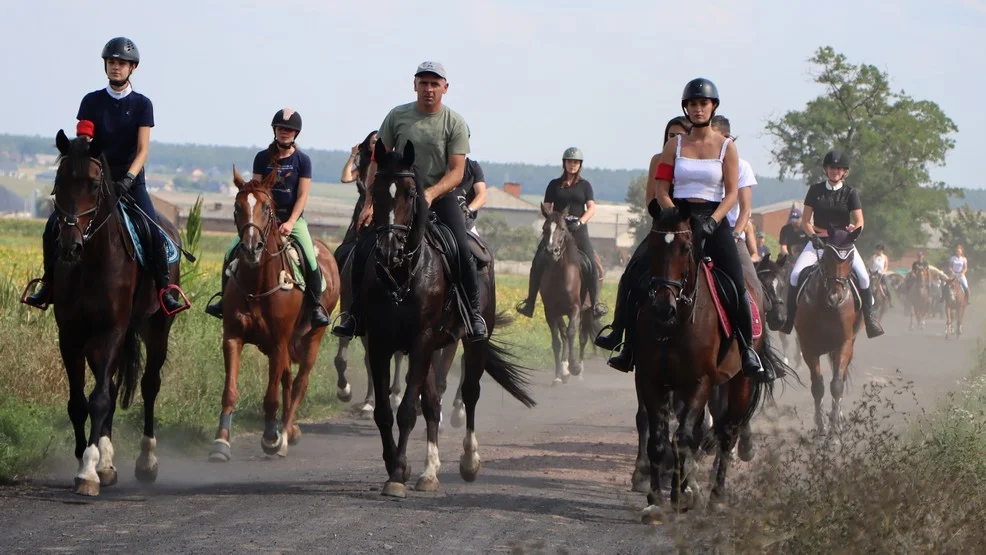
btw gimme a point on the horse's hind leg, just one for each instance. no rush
(366, 411)
(458, 406)
(221, 449)
(343, 390)
(273, 441)
(300, 386)
(443, 365)
(475, 364)
(431, 410)
(640, 480)
(156, 341)
(78, 409)
(817, 389)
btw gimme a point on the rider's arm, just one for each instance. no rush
(751, 241)
(855, 211)
(662, 187)
(856, 218)
(478, 187)
(451, 179)
(806, 222)
(730, 182)
(548, 204)
(143, 146)
(349, 170)
(590, 204)
(745, 202)
(650, 188)
(886, 264)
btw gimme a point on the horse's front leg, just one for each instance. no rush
(686, 491)
(817, 389)
(840, 365)
(366, 411)
(232, 349)
(574, 324)
(395, 387)
(343, 390)
(102, 354)
(556, 346)
(273, 442)
(78, 410)
(431, 409)
(419, 363)
(640, 480)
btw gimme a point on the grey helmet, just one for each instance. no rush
(572, 153)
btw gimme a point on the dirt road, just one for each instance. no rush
(554, 478)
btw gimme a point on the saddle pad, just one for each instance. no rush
(724, 323)
(173, 252)
(810, 271)
(479, 251)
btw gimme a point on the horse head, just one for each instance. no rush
(399, 208)
(775, 284)
(253, 214)
(79, 185)
(674, 265)
(555, 232)
(836, 265)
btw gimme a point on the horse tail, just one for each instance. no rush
(516, 379)
(129, 367)
(503, 319)
(763, 392)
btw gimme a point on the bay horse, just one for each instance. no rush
(105, 306)
(681, 352)
(828, 319)
(955, 301)
(565, 296)
(263, 306)
(919, 296)
(411, 307)
(774, 280)
(881, 294)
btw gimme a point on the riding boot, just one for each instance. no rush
(613, 339)
(792, 307)
(598, 309)
(352, 325)
(526, 307)
(873, 327)
(216, 308)
(42, 297)
(319, 318)
(166, 291)
(748, 355)
(470, 285)
(624, 360)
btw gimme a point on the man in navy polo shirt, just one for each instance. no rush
(122, 119)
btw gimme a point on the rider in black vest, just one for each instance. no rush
(573, 193)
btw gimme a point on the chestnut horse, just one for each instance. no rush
(262, 306)
(955, 301)
(407, 294)
(105, 305)
(828, 319)
(681, 351)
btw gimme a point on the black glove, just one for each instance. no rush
(707, 227)
(470, 218)
(574, 225)
(123, 185)
(817, 242)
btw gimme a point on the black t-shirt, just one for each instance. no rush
(574, 198)
(918, 266)
(832, 207)
(793, 236)
(471, 175)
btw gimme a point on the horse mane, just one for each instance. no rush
(263, 186)
(78, 157)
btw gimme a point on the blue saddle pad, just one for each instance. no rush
(173, 252)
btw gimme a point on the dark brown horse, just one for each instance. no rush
(881, 294)
(919, 296)
(105, 306)
(407, 294)
(681, 351)
(774, 279)
(565, 296)
(955, 301)
(263, 306)
(828, 319)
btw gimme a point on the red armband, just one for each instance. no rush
(85, 127)
(665, 172)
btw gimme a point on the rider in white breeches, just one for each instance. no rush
(810, 256)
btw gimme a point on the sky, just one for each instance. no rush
(531, 77)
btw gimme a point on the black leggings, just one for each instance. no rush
(448, 211)
(723, 251)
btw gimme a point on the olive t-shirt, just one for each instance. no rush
(434, 136)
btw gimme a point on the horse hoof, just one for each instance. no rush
(294, 438)
(272, 447)
(746, 453)
(640, 481)
(220, 452)
(345, 394)
(86, 487)
(394, 489)
(576, 369)
(107, 476)
(427, 484)
(469, 467)
(689, 498)
(651, 515)
(458, 417)
(556, 381)
(146, 474)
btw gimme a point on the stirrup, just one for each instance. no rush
(173, 287)
(43, 306)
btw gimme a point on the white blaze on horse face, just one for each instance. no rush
(252, 202)
(669, 238)
(551, 232)
(393, 195)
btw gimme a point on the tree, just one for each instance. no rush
(966, 227)
(636, 195)
(891, 137)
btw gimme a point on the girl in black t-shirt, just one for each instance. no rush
(568, 192)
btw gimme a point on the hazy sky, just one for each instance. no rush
(531, 77)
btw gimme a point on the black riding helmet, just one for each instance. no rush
(288, 119)
(700, 88)
(121, 48)
(836, 159)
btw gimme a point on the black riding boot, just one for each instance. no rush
(624, 360)
(167, 293)
(598, 309)
(216, 308)
(470, 285)
(748, 356)
(873, 327)
(792, 307)
(526, 307)
(319, 318)
(42, 297)
(613, 339)
(352, 326)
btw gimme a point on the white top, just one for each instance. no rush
(958, 264)
(700, 179)
(878, 262)
(746, 179)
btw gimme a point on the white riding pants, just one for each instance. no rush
(809, 257)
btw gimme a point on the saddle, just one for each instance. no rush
(138, 231)
(726, 298)
(440, 236)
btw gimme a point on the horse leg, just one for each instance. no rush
(574, 325)
(156, 341)
(105, 469)
(458, 407)
(840, 365)
(278, 363)
(728, 425)
(656, 402)
(475, 363)
(556, 345)
(78, 410)
(285, 408)
(395, 388)
(232, 349)
(431, 409)
(366, 411)
(687, 444)
(445, 359)
(103, 361)
(343, 390)
(817, 389)
(383, 413)
(640, 479)
(299, 388)
(418, 367)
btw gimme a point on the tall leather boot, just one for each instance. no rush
(792, 308)
(319, 318)
(470, 284)
(752, 366)
(873, 327)
(42, 297)
(526, 307)
(167, 293)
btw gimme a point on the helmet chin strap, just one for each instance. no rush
(118, 83)
(706, 124)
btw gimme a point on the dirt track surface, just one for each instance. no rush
(554, 479)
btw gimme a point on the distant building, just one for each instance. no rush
(8, 168)
(772, 217)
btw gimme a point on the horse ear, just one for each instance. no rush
(95, 148)
(62, 142)
(408, 156)
(379, 151)
(545, 211)
(855, 234)
(781, 260)
(766, 258)
(238, 179)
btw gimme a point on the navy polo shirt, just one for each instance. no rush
(290, 170)
(116, 124)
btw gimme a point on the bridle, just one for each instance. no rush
(264, 232)
(677, 287)
(71, 220)
(398, 290)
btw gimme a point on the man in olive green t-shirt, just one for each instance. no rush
(441, 142)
